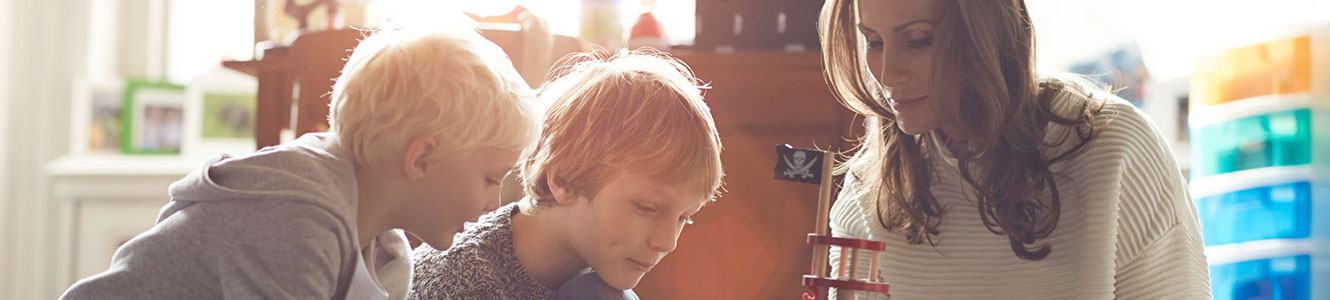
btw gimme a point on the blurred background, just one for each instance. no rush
(103, 103)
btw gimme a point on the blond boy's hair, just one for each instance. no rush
(636, 111)
(449, 84)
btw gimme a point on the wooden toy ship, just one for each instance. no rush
(815, 166)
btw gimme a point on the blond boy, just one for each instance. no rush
(627, 154)
(425, 123)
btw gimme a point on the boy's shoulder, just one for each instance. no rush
(188, 254)
(589, 286)
(481, 264)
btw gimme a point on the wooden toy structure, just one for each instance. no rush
(794, 165)
(843, 280)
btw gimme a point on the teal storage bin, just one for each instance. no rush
(1271, 140)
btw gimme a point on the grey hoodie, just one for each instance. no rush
(278, 224)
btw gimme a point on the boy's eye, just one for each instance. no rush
(645, 209)
(491, 181)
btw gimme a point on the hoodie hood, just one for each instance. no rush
(313, 169)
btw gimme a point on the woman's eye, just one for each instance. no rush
(874, 44)
(920, 43)
(492, 181)
(918, 39)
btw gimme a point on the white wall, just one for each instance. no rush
(6, 283)
(1175, 34)
(47, 37)
(1171, 34)
(1067, 32)
(55, 44)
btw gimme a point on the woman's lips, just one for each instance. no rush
(902, 103)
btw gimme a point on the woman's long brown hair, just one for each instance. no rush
(1001, 106)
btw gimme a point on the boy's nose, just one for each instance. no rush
(665, 238)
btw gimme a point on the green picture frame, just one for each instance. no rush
(153, 120)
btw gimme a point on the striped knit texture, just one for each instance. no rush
(1128, 227)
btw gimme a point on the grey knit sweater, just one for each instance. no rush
(482, 264)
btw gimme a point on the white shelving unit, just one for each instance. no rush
(102, 201)
(1258, 162)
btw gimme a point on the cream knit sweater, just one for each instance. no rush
(1128, 228)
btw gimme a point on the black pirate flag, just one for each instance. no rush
(802, 165)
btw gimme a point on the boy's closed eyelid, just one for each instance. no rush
(644, 206)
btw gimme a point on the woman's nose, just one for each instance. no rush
(889, 73)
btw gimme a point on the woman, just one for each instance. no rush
(989, 183)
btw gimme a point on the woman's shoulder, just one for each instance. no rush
(1128, 156)
(1075, 93)
(1125, 150)
(1117, 124)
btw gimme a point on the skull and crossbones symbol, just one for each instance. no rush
(799, 167)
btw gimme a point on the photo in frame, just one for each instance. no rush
(228, 116)
(221, 113)
(105, 111)
(153, 119)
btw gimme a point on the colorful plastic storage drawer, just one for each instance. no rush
(1273, 212)
(1279, 278)
(1277, 139)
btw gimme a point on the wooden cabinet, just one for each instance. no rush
(749, 244)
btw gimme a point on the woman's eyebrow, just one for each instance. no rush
(907, 24)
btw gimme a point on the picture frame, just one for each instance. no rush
(96, 116)
(228, 116)
(222, 113)
(153, 118)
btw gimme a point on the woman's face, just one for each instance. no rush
(900, 36)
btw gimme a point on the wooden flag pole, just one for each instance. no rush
(823, 213)
(796, 165)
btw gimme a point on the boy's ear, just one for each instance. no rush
(561, 193)
(414, 159)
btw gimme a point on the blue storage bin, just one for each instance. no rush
(1282, 211)
(1278, 278)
